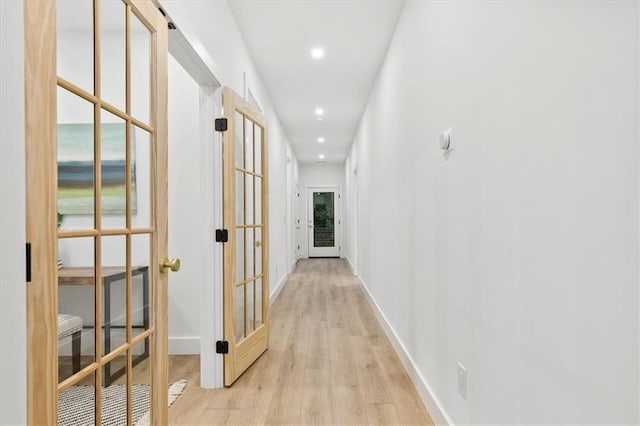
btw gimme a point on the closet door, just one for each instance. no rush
(96, 149)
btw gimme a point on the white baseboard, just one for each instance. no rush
(353, 270)
(276, 291)
(430, 401)
(184, 345)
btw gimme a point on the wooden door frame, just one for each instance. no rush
(41, 207)
(338, 216)
(41, 83)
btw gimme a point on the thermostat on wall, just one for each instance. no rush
(445, 141)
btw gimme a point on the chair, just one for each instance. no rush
(71, 325)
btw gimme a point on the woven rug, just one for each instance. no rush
(76, 404)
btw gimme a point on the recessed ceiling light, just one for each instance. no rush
(320, 140)
(317, 53)
(321, 156)
(319, 111)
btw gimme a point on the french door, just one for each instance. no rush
(323, 222)
(246, 210)
(96, 153)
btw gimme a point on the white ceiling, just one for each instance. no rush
(355, 35)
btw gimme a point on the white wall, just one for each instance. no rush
(350, 208)
(13, 324)
(318, 175)
(517, 256)
(186, 210)
(292, 212)
(213, 25)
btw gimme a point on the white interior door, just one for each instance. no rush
(298, 220)
(323, 222)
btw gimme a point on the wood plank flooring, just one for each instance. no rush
(329, 363)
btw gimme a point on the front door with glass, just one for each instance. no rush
(324, 223)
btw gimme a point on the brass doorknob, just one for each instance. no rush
(258, 243)
(173, 264)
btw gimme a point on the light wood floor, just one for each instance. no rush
(329, 363)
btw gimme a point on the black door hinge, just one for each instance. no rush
(171, 25)
(28, 262)
(222, 347)
(222, 235)
(221, 124)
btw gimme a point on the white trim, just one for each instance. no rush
(184, 345)
(277, 290)
(13, 298)
(353, 270)
(195, 59)
(428, 397)
(211, 313)
(189, 51)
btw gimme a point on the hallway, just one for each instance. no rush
(328, 362)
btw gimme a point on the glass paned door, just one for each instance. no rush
(323, 222)
(246, 283)
(98, 165)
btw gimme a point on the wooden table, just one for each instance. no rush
(85, 276)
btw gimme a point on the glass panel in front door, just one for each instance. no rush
(323, 220)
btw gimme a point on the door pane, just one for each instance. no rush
(141, 207)
(248, 138)
(112, 52)
(258, 292)
(258, 202)
(114, 292)
(258, 150)
(75, 142)
(77, 404)
(240, 240)
(141, 403)
(140, 69)
(239, 135)
(258, 253)
(249, 254)
(240, 305)
(239, 198)
(250, 312)
(75, 42)
(249, 199)
(323, 219)
(113, 150)
(141, 276)
(114, 391)
(76, 305)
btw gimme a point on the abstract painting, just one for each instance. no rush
(76, 169)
